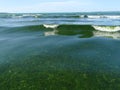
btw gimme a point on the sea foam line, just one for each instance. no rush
(107, 28)
(50, 26)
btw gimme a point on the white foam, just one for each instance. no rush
(113, 17)
(95, 16)
(50, 26)
(103, 16)
(107, 28)
(26, 15)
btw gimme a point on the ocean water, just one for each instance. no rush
(60, 51)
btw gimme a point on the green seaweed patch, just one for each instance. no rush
(58, 80)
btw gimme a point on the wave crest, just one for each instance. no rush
(107, 28)
(50, 25)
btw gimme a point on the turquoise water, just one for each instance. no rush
(60, 51)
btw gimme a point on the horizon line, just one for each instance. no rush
(64, 12)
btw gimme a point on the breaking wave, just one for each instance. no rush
(50, 26)
(85, 27)
(103, 16)
(107, 28)
(63, 28)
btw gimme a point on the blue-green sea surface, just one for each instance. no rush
(60, 51)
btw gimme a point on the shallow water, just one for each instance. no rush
(71, 56)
